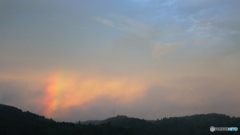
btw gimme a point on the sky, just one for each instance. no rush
(90, 59)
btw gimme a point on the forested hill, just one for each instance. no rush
(198, 124)
(14, 121)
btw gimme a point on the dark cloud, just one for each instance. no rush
(11, 92)
(19, 95)
(98, 109)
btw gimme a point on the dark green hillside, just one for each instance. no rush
(14, 121)
(197, 124)
(188, 125)
(140, 126)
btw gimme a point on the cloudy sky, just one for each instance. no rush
(89, 59)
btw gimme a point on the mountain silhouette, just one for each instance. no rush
(14, 121)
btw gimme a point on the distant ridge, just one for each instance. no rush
(198, 124)
(14, 121)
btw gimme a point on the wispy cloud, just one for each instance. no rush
(127, 24)
(104, 21)
(136, 27)
(162, 48)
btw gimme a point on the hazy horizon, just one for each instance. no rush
(86, 60)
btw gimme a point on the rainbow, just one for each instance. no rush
(52, 94)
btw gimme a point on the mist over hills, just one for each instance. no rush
(14, 121)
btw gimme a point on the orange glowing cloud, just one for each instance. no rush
(119, 88)
(52, 94)
(67, 90)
